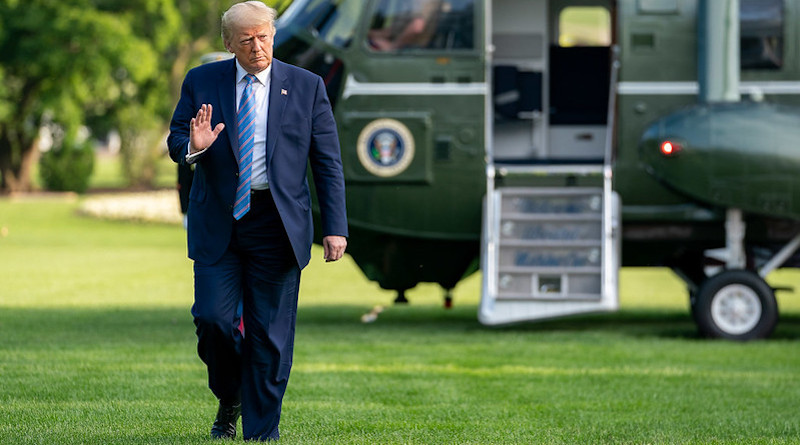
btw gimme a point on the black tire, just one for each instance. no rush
(736, 305)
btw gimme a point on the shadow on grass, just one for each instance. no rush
(79, 327)
(635, 323)
(57, 327)
(626, 323)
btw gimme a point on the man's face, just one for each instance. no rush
(252, 47)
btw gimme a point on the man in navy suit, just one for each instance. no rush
(251, 125)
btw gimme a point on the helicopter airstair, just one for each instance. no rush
(549, 251)
(551, 230)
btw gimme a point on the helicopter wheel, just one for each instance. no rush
(735, 305)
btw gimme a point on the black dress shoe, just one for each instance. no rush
(225, 424)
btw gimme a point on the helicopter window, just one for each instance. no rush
(761, 39)
(584, 26)
(399, 25)
(333, 21)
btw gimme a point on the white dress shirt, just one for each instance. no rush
(260, 87)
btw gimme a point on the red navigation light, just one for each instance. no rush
(669, 148)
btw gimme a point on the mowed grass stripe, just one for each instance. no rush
(502, 370)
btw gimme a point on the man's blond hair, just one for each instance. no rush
(246, 15)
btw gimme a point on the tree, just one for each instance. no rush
(63, 60)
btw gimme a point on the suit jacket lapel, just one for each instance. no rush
(278, 95)
(227, 100)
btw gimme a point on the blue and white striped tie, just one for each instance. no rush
(246, 124)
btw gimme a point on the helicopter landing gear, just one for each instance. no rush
(448, 298)
(401, 297)
(736, 305)
(735, 302)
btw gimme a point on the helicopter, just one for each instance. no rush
(548, 143)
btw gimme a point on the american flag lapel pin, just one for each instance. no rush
(284, 92)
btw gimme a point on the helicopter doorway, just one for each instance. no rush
(551, 80)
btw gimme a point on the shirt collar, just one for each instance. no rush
(262, 76)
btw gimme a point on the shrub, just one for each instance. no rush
(68, 167)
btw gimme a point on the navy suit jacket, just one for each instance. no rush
(300, 130)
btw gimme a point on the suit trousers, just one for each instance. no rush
(259, 272)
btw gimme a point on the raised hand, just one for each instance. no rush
(201, 136)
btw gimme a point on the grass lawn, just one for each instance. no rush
(98, 348)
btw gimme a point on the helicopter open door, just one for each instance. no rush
(550, 230)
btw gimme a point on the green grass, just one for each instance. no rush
(98, 348)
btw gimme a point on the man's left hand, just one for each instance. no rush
(334, 247)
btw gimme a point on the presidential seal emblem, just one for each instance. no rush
(385, 147)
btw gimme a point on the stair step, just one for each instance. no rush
(550, 270)
(514, 242)
(571, 297)
(596, 216)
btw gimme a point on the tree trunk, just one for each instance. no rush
(18, 142)
(16, 168)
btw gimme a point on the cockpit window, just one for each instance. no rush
(761, 34)
(399, 25)
(333, 21)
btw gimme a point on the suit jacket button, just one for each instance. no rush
(236, 174)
